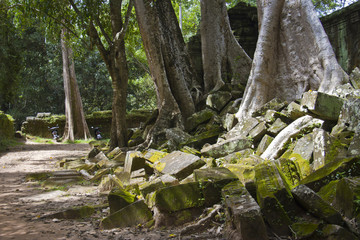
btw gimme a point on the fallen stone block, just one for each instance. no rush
(274, 104)
(129, 216)
(99, 157)
(119, 198)
(290, 171)
(134, 160)
(242, 128)
(179, 164)
(236, 157)
(212, 180)
(314, 204)
(226, 147)
(325, 106)
(243, 214)
(210, 136)
(198, 118)
(274, 198)
(348, 167)
(153, 155)
(264, 143)
(347, 199)
(332, 232)
(293, 111)
(304, 230)
(218, 100)
(74, 213)
(179, 197)
(258, 132)
(276, 127)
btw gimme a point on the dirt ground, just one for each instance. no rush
(25, 205)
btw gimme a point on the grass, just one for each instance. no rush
(51, 141)
(5, 143)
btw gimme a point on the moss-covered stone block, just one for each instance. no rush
(304, 230)
(274, 198)
(134, 161)
(198, 140)
(218, 100)
(325, 106)
(75, 213)
(348, 197)
(334, 232)
(328, 192)
(226, 147)
(290, 170)
(179, 164)
(6, 126)
(40, 176)
(347, 167)
(129, 216)
(276, 127)
(212, 180)
(153, 155)
(274, 104)
(119, 198)
(264, 143)
(242, 128)
(258, 132)
(175, 198)
(237, 157)
(243, 214)
(293, 111)
(314, 204)
(198, 118)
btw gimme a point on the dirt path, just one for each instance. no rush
(24, 205)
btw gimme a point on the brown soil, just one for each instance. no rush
(25, 205)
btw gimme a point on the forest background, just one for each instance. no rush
(31, 78)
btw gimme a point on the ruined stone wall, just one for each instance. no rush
(343, 29)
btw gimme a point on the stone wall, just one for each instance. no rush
(343, 29)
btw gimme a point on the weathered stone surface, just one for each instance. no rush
(243, 214)
(74, 213)
(132, 215)
(229, 121)
(334, 232)
(218, 100)
(258, 132)
(226, 147)
(293, 111)
(304, 147)
(242, 128)
(313, 203)
(113, 153)
(274, 104)
(210, 136)
(274, 198)
(235, 157)
(119, 199)
(134, 161)
(339, 168)
(264, 143)
(355, 78)
(323, 105)
(276, 127)
(349, 116)
(328, 192)
(179, 164)
(290, 171)
(177, 135)
(322, 143)
(354, 148)
(175, 198)
(94, 151)
(99, 174)
(277, 146)
(198, 118)
(99, 157)
(212, 181)
(61, 178)
(153, 155)
(151, 186)
(304, 230)
(347, 199)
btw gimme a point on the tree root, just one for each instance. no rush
(199, 225)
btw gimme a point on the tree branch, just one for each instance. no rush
(97, 20)
(120, 35)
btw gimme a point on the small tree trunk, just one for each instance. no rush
(224, 60)
(168, 61)
(75, 125)
(293, 55)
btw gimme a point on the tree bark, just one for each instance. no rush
(168, 62)
(116, 62)
(224, 60)
(75, 124)
(293, 55)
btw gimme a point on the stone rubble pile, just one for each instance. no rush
(289, 170)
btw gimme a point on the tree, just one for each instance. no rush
(114, 56)
(224, 60)
(75, 124)
(168, 62)
(293, 55)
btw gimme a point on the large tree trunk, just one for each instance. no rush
(168, 61)
(293, 55)
(116, 63)
(224, 60)
(75, 125)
